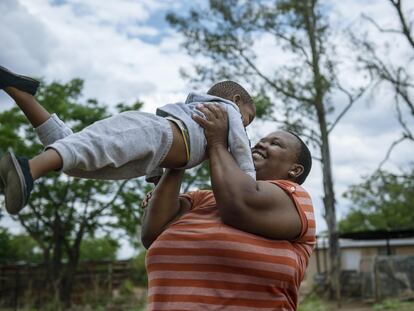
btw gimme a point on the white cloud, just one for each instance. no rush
(91, 40)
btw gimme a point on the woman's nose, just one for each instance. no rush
(261, 144)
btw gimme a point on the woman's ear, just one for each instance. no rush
(296, 170)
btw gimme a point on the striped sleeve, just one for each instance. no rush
(195, 197)
(304, 207)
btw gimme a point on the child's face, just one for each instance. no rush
(248, 112)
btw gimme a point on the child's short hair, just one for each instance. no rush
(227, 89)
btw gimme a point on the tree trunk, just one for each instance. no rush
(320, 89)
(330, 213)
(56, 264)
(66, 288)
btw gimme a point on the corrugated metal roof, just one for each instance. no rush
(378, 234)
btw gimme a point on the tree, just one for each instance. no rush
(18, 248)
(222, 39)
(139, 272)
(393, 73)
(384, 201)
(64, 210)
(95, 249)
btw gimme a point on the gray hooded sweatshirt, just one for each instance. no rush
(134, 143)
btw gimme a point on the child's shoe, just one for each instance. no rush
(16, 181)
(22, 83)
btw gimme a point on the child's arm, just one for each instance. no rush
(239, 142)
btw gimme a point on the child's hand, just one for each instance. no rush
(215, 125)
(154, 180)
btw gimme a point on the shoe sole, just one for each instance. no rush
(13, 183)
(34, 83)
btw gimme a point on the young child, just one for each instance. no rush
(127, 145)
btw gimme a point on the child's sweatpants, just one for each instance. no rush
(124, 146)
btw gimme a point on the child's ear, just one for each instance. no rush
(237, 99)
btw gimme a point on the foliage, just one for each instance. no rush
(63, 210)
(393, 304)
(99, 248)
(127, 288)
(197, 178)
(312, 303)
(14, 248)
(24, 248)
(140, 276)
(225, 33)
(5, 246)
(383, 201)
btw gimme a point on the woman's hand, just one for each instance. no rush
(216, 125)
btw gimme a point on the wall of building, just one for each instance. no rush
(352, 257)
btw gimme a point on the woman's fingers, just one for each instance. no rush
(207, 111)
(212, 111)
(220, 111)
(201, 121)
(214, 115)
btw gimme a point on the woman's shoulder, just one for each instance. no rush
(304, 206)
(289, 186)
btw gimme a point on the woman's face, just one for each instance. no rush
(274, 155)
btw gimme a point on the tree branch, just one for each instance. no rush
(408, 134)
(406, 31)
(390, 149)
(380, 69)
(293, 43)
(99, 210)
(402, 91)
(351, 100)
(379, 28)
(39, 216)
(272, 83)
(35, 235)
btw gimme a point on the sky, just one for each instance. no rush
(124, 51)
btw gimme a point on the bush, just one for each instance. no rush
(312, 303)
(393, 304)
(139, 273)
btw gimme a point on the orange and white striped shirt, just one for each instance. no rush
(199, 263)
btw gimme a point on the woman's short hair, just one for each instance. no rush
(304, 158)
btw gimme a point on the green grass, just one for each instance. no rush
(393, 304)
(312, 303)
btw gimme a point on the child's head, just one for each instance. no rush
(236, 93)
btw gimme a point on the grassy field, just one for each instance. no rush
(130, 298)
(314, 303)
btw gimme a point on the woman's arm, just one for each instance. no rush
(258, 207)
(164, 206)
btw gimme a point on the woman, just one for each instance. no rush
(243, 246)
